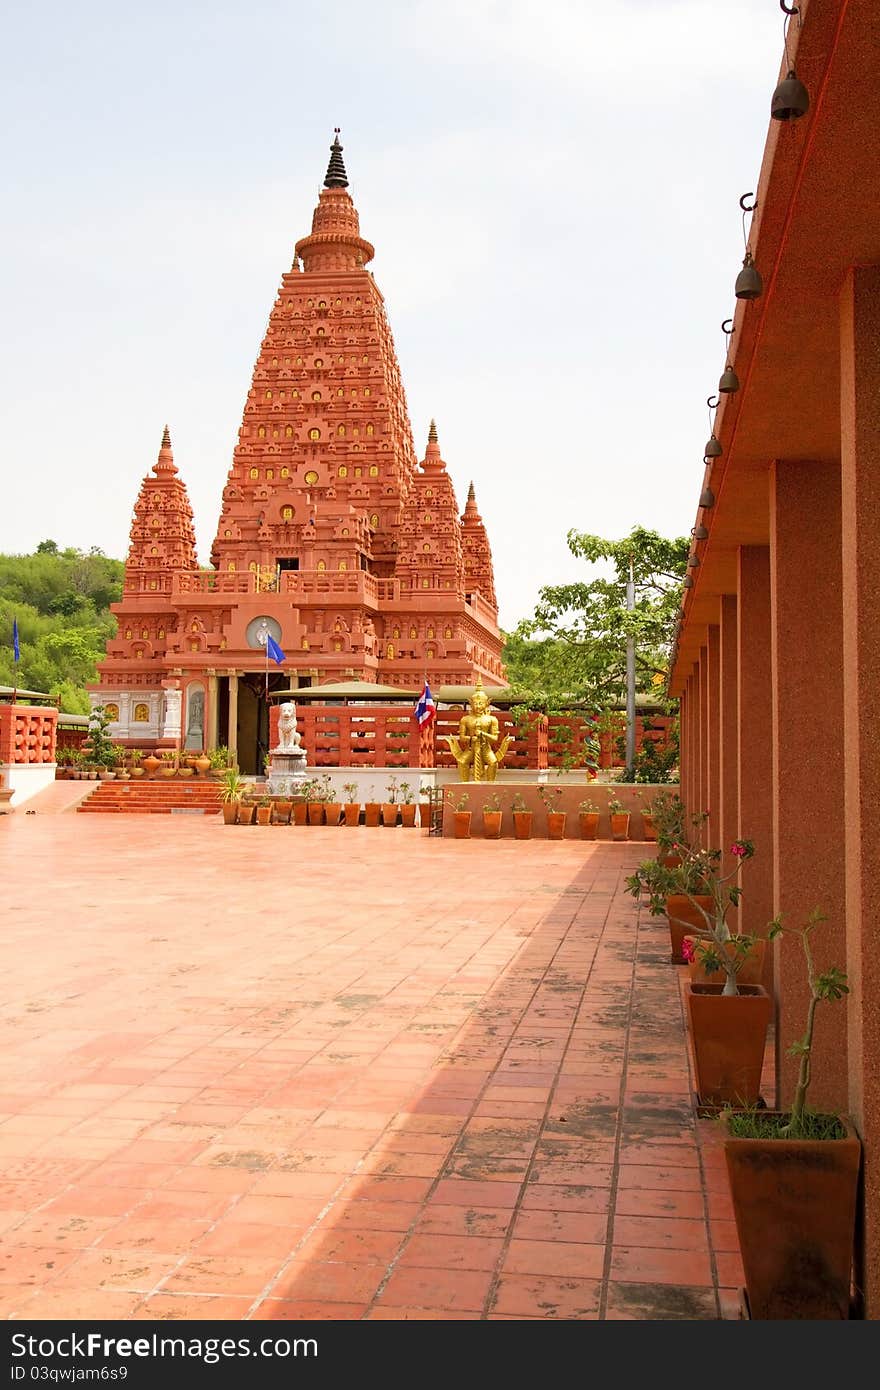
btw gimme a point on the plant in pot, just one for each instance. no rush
(389, 805)
(231, 792)
(169, 762)
(794, 1178)
(332, 806)
(492, 815)
(314, 791)
(619, 817)
(264, 810)
(119, 766)
(247, 808)
(135, 759)
(728, 1022)
(300, 813)
(678, 893)
(588, 818)
(407, 804)
(649, 828)
(522, 817)
(461, 815)
(218, 759)
(351, 809)
(426, 790)
(668, 816)
(550, 796)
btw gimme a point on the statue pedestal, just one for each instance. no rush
(287, 772)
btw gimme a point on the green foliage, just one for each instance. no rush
(574, 647)
(61, 600)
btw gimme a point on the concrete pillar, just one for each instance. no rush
(213, 712)
(712, 838)
(860, 544)
(754, 739)
(702, 798)
(807, 673)
(232, 732)
(728, 709)
(694, 707)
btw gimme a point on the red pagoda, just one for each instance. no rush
(332, 538)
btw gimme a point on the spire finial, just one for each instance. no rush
(166, 438)
(336, 176)
(432, 432)
(472, 496)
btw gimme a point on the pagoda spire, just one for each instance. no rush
(478, 568)
(336, 176)
(165, 462)
(432, 457)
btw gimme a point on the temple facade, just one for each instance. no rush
(333, 539)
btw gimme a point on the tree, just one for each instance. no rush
(574, 648)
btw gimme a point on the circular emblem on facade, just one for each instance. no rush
(257, 629)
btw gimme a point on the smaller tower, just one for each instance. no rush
(479, 573)
(163, 541)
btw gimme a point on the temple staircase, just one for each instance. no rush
(165, 797)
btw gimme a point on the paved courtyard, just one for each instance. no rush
(298, 1073)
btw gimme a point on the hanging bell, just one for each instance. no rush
(749, 284)
(729, 381)
(693, 562)
(707, 497)
(700, 533)
(790, 100)
(687, 582)
(713, 449)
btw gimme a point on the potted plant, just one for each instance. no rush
(407, 805)
(264, 810)
(218, 759)
(351, 809)
(332, 807)
(728, 1022)
(246, 810)
(169, 762)
(389, 806)
(668, 816)
(425, 793)
(492, 816)
(300, 813)
(135, 758)
(372, 812)
(522, 818)
(282, 809)
(619, 816)
(678, 893)
(314, 792)
(649, 828)
(794, 1179)
(588, 819)
(461, 816)
(550, 796)
(122, 771)
(231, 791)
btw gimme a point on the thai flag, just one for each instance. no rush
(426, 708)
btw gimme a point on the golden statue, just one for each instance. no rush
(476, 749)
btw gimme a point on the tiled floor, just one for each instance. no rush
(342, 1073)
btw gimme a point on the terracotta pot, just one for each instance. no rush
(620, 826)
(408, 813)
(332, 812)
(425, 814)
(264, 815)
(522, 825)
(492, 825)
(150, 764)
(648, 826)
(389, 813)
(556, 825)
(352, 812)
(246, 813)
(315, 812)
(300, 813)
(461, 825)
(372, 812)
(230, 812)
(728, 1036)
(794, 1201)
(751, 972)
(589, 824)
(202, 765)
(669, 861)
(685, 919)
(282, 812)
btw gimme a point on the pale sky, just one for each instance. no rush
(552, 190)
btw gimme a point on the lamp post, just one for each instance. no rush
(630, 675)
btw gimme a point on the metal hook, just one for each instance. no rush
(713, 402)
(788, 9)
(742, 202)
(725, 329)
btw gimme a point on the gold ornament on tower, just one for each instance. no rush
(477, 749)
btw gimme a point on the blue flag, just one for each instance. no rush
(15, 647)
(273, 649)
